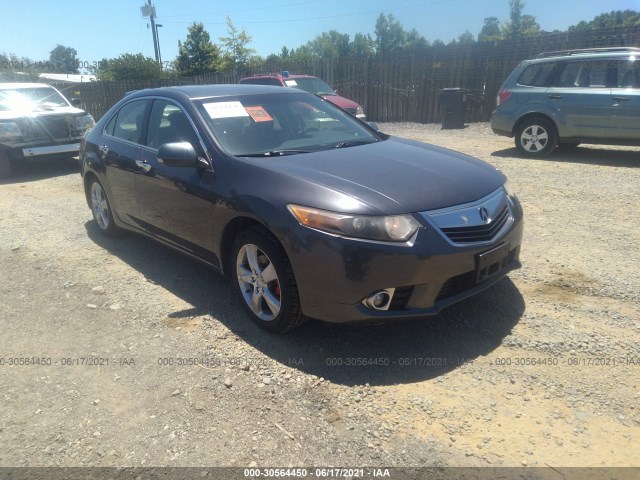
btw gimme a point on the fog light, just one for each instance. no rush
(380, 300)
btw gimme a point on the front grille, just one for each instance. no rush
(49, 128)
(400, 298)
(465, 281)
(478, 233)
(456, 285)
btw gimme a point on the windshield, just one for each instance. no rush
(281, 124)
(311, 85)
(31, 99)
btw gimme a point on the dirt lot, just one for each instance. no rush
(541, 370)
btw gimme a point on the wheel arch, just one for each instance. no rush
(230, 233)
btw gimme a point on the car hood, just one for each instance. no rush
(341, 101)
(11, 114)
(394, 176)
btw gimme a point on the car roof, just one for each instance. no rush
(219, 90)
(278, 75)
(18, 85)
(581, 56)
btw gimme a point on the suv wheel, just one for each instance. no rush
(536, 137)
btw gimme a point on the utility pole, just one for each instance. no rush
(149, 10)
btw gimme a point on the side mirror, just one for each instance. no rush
(179, 154)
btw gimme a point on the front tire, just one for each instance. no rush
(101, 209)
(264, 281)
(536, 137)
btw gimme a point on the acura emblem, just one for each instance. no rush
(484, 215)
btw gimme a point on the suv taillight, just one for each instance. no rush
(503, 96)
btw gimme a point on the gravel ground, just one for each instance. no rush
(541, 370)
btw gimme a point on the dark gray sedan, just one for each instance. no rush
(309, 211)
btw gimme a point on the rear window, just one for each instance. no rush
(537, 75)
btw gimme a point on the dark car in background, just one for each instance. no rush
(37, 122)
(570, 97)
(310, 212)
(310, 84)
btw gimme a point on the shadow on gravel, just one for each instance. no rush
(391, 353)
(42, 169)
(585, 155)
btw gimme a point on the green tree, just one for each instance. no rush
(519, 25)
(466, 38)
(414, 41)
(362, 45)
(490, 30)
(236, 51)
(130, 67)
(390, 35)
(63, 59)
(609, 21)
(331, 44)
(198, 55)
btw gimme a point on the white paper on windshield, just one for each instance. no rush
(225, 110)
(290, 83)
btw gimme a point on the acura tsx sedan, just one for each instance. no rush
(310, 212)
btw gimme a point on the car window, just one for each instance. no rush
(537, 75)
(260, 124)
(129, 121)
(167, 124)
(628, 74)
(263, 81)
(568, 76)
(312, 85)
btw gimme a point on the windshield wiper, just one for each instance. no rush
(273, 153)
(353, 143)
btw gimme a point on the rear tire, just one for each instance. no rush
(536, 137)
(263, 279)
(101, 209)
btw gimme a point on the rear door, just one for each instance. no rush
(581, 98)
(624, 122)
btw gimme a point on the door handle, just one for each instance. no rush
(143, 165)
(103, 149)
(555, 97)
(621, 99)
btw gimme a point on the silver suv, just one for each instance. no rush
(562, 99)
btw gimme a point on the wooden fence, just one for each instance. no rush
(400, 88)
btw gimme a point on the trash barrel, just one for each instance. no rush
(452, 102)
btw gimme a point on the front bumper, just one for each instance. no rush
(336, 274)
(51, 150)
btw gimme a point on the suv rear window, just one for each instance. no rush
(537, 75)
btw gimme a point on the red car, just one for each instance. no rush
(310, 84)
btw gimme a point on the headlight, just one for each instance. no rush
(396, 228)
(507, 188)
(10, 131)
(85, 122)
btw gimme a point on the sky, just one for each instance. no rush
(107, 29)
